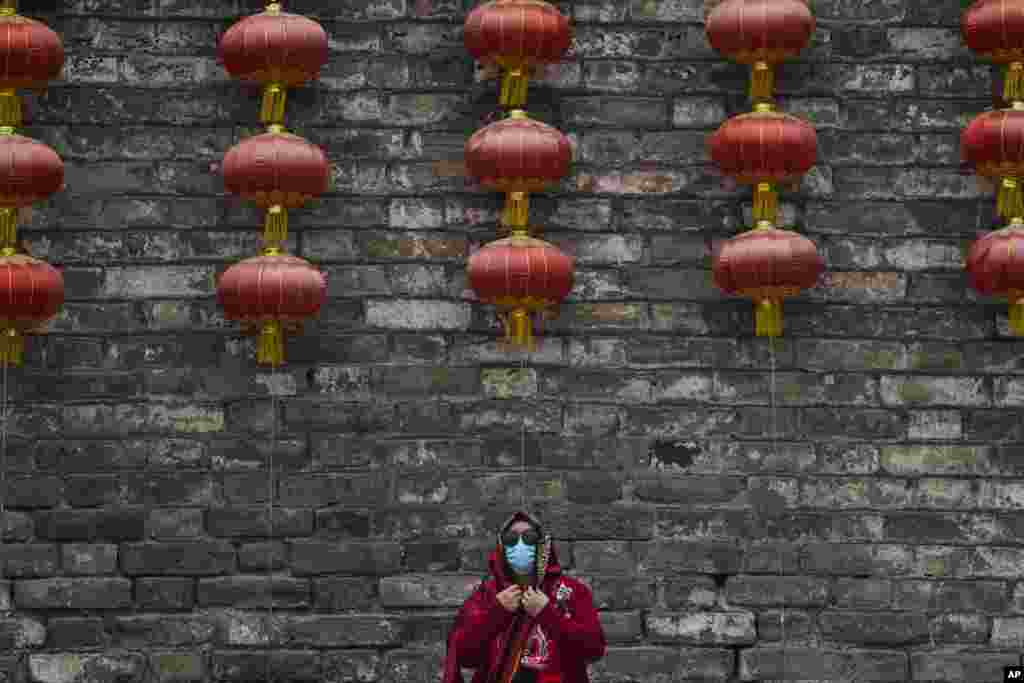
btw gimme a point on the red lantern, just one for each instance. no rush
(31, 55)
(760, 33)
(523, 277)
(993, 143)
(518, 155)
(29, 172)
(31, 293)
(995, 30)
(271, 293)
(995, 267)
(277, 49)
(516, 34)
(767, 265)
(764, 148)
(277, 171)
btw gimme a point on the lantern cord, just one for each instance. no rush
(270, 519)
(522, 450)
(775, 454)
(3, 467)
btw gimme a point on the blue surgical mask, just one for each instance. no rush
(521, 557)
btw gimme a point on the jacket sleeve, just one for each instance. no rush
(579, 634)
(480, 620)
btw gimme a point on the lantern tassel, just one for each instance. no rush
(8, 227)
(514, 85)
(12, 347)
(1017, 318)
(768, 318)
(272, 106)
(8, 7)
(275, 226)
(1013, 83)
(270, 347)
(766, 203)
(516, 214)
(10, 108)
(762, 81)
(1010, 203)
(518, 329)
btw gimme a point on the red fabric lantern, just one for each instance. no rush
(31, 293)
(277, 171)
(764, 148)
(523, 277)
(995, 267)
(767, 265)
(760, 33)
(518, 155)
(277, 49)
(995, 30)
(516, 34)
(31, 55)
(993, 144)
(29, 172)
(271, 293)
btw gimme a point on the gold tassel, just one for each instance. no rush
(762, 81)
(1017, 318)
(1013, 83)
(10, 108)
(8, 8)
(275, 226)
(1009, 203)
(270, 347)
(519, 329)
(766, 203)
(768, 318)
(12, 347)
(8, 227)
(272, 106)
(514, 85)
(516, 214)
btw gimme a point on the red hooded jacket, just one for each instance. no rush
(565, 636)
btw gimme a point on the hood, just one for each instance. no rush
(499, 567)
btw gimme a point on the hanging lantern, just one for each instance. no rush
(760, 33)
(516, 34)
(517, 156)
(275, 48)
(995, 267)
(31, 55)
(995, 30)
(993, 143)
(271, 294)
(764, 148)
(29, 172)
(525, 278)
(767, 265)
(277, 171)
(31, 293)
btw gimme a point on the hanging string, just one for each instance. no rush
(522, 449)
(270, 519)
(775, 454)
(3, 469)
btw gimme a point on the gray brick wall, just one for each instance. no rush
(886, 520)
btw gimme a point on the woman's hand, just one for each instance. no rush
(534, 601)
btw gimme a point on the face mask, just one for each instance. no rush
(520, 557)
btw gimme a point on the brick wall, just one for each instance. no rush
(891, 503)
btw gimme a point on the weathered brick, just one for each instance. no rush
(91, 593)
(86, 668)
